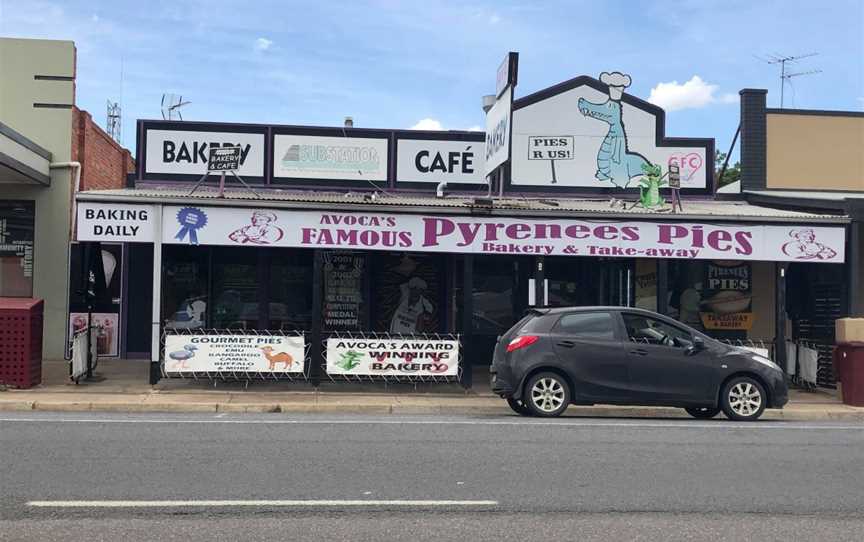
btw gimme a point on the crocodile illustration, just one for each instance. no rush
(615, 162)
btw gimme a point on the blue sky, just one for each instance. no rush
(392, 64)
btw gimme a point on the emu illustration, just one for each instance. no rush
(615, 163)
(180, 356)
(280, 357)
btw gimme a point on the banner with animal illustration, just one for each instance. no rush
(390, 356)
(235, 353)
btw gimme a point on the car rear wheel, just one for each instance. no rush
(703, 413)
(743, 399)
(546, 395)
(518, 406)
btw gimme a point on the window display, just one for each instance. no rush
(16, 248)
(407, 290)
(184, 287)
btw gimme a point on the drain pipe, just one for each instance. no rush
(76, 185)
(439, 190)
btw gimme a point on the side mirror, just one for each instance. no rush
(697, 346)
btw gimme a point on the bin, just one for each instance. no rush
(21, 341)
(848, 360)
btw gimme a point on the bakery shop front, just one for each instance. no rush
(346, 253)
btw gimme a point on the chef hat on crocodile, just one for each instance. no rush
(617, 82)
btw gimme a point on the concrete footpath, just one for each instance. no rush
(125, 390)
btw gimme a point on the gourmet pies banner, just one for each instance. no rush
(234, 353)
(389, 356)
(496, 235)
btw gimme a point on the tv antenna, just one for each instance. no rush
(171, 104)
(113, 122)
(777, 58)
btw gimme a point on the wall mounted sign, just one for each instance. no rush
(122, 222)
(184, 152)
(224, 158)
(498, 127)
(727, 296)
(267, 354)
(433, 161)
(507, 73)
(499, 235)
(330, 158)
(615, 137)
(344, 294)
(392, 356)
(550, 148)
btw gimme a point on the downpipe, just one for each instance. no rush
(76, 186)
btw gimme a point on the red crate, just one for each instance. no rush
(21, 341)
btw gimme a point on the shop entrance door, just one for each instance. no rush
(579, 282)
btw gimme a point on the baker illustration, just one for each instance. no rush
(615, 162)
(805, 247)
(412, 305)
(260, 232)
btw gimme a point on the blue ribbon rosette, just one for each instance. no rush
(191, 220)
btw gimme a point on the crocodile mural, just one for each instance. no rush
(615, 162)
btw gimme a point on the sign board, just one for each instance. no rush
(224, 159)
(392, 357)
(433, 161)
(267, 354)
(329, 158)
(614, 136)
(499, 235)
(185, 152)
(674, 176)
(498, 132)
(550, 148)
(506, 76)
(727, 296)
(124, 222)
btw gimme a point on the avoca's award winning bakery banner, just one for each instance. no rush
(392, 357)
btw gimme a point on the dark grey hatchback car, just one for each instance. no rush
(554, 357)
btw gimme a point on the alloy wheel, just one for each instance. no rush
(548, 394)
(745, 399)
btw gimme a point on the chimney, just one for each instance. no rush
(754, 139)
(488, 101)
(349, 122)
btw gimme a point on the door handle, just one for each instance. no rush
(567, 344)
(639, 352)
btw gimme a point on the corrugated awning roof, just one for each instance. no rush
(455, 204)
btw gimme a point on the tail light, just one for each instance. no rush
(521, 342)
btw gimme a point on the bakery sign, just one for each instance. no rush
(727, 296)
(187, 152)
(392, 357)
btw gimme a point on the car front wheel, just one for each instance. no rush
(546, 395)
(703, 413)
(743, 399)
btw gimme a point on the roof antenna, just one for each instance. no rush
(171, 104)
(777, 58)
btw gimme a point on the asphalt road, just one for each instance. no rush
(430, 478)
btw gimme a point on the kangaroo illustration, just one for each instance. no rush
(280, 357)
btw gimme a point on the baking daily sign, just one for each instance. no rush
(433, 161)
(180, 152)
(115, 222)
(392, 357)
(498, 235)
(234, 353)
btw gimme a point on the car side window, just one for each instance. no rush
(644, 329)
(587, 325)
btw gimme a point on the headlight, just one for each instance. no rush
(766, 361)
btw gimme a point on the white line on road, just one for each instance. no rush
(224, 503)
(584, 423)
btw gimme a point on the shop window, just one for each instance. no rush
(17, 220)
(185, 283)
(289, 298)
(407, 293)
(645, 278)
(235, 288)
(345, 291)
(96, 285)
(714, 296)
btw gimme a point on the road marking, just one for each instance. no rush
(224, 503)
(586, 423)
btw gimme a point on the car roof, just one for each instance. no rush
(593, 308)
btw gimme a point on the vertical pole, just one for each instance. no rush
(780, 314)
(89, 291)
(467, 318)
(222, 185)
(663, 286)
(855, 300)
(316, 348)
(156, 308)
(263, 290)
(554, 178)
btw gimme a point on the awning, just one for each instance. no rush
(21, 160)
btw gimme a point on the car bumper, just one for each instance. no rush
(779, 391)
(500, 383)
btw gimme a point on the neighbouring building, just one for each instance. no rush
(46, 144)
(375, 234)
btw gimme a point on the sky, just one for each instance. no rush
(426, 64)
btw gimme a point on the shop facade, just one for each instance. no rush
(392, 234)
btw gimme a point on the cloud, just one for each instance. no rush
(476, 128)
(693, 94)
(262, 44)
(494, 18)
(428, 124)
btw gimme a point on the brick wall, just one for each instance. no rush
(104, 163)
